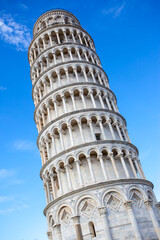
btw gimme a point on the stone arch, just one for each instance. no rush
(115, 150)
(104, 150)
(51, 220)
(43, 25)
(137, 195)
(70, 159)
(84, 198)
(150, 195)
(81, 154)
(112, 190)
(93, 150)
(62, 215)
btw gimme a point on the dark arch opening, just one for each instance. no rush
(92, 229)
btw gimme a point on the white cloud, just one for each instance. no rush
(119, 10)
(5, 199)
(16, 182)
(5, 173)
(23, 6)
(24, 145)
(9, 177)
(109, 11)
(13, 204)
(13, 209)
(8, 210)
(2, 88)
(115, 11)
(14, 33)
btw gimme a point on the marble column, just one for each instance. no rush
(81, 132)
(59, 181)
(156, 225)
(91, 169)
(83, 100)
(71, 135)
(92, 98)
(103, 167)
(91, 128)
(79, 172)
(73, 101)
(123, 164)
(102, 129)
(68, 177)
(54, 152)
(53, 186)
(58, 39)
(103, 215)
(57, 231)
(76, 221)
(137, 233)
(110, 155)
(49, 235)
(111, 128)
(46, 194)
(85, 75)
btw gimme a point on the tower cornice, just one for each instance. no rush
(66, 63)
(105, 184)
(63, 45)
(72, 85)
(55, 26)
(74, 113)
(89, 144)
(55, 11)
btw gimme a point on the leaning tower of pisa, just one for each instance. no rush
(93, 181)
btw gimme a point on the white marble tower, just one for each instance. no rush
(94, 184)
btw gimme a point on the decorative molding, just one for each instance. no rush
(64, 63)
(96, 143)
(70, 85)
(105, 184)
(63, 45)
(76, 112)
(55, 26)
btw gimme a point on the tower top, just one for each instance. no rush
(54, 17)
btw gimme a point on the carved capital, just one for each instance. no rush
(115, 124)
(57, 228)
(158, 205)
(67, 165)
(148, 203)
(76, 219)
(128, 204)
(51, 175)
(78, 162)
(49, 235)
(127, 156)
(102, 210)
(110, 155)
(119, 155)
(89, 159)
(99, 120)
(108, 120)
(89, 121)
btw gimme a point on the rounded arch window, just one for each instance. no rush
(92, 229)
(43, 25)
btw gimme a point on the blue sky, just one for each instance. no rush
(127, 39)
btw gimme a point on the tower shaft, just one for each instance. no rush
(94, 185)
